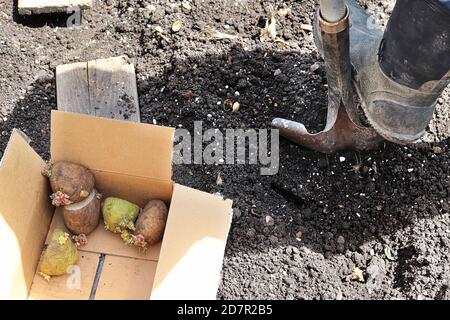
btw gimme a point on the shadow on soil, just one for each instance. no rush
(45, 19)
(330, 203)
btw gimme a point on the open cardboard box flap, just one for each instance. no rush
(114, 146)
(193, 246)
(25, 214)
(129, 160)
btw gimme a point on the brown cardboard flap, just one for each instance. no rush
(25, 214)
(115, 146)
(137, 190)
(193, 246)
(76, 285)
(125, 279)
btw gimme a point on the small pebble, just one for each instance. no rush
(219, 180)
(236, 213)
(273, 239)
(314, 67)
(186, 5)
(251, 233)
(177, 25)
(268, 221)
(150, 8)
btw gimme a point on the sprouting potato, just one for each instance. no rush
(83, 217)
(70, 182)
(60, 254)
(119, 215)
(150, 225)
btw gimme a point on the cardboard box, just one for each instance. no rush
(131, 161)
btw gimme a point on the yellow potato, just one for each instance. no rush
(60, 254)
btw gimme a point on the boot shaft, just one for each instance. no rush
(415, 50)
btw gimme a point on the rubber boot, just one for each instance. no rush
(400, 73)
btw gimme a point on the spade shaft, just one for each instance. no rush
(332, 10)
(343, 129)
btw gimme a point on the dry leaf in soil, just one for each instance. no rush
(269, 32)
(217, 35)
(358, 274)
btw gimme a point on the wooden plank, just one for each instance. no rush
(73, 88)
(112, 88)
(50, 6)
(104, 88)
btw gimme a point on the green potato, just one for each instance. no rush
(119, 215)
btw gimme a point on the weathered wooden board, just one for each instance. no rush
(104, 88)
(73, 87)
(50, 6)
(112, 88)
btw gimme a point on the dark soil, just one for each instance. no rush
(385, 211)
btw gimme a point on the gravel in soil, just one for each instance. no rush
(385, 212)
